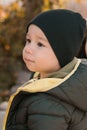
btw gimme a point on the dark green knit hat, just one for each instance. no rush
(64, 30)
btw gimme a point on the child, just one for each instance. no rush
(56, 97)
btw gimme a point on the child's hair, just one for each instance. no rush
(64, 30)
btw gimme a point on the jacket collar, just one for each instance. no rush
(62, 72)
(42, 85)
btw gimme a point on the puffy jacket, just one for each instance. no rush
(50, 103)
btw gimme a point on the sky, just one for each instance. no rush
(6, 2)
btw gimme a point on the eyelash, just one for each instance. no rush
(39, 43)
(28, 40)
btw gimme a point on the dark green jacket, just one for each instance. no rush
(50, 103)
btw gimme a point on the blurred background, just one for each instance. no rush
(14, 17)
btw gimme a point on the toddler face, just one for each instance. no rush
(38, 54)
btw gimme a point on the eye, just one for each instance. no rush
(40, 44)
(28, 41)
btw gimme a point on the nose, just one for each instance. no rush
(28, 48)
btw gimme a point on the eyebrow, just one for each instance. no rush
(42, 38)
(38, 37)
(27, 34)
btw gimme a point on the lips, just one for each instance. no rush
(28, 60)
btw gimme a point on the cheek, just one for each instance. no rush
(47, 59)
(43, 57)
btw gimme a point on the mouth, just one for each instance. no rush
(28, 60)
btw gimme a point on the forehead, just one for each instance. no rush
(34, 30)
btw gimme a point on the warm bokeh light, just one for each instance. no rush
(6, 2)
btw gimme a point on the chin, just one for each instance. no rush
(30, 69)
